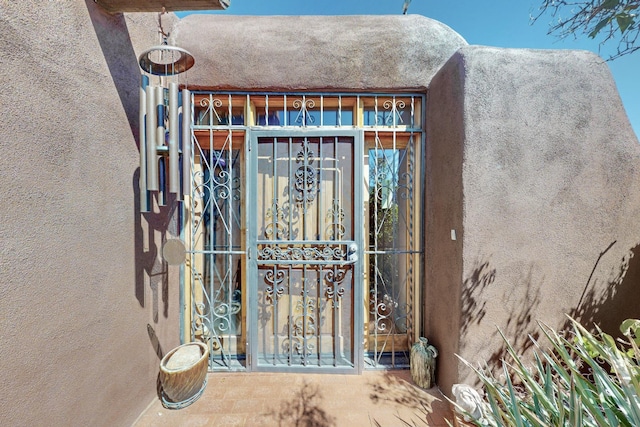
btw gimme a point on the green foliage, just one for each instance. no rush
(585, 379)
(607, 20)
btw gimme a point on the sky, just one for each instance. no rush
(500, 23)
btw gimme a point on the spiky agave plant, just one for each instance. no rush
(583, 379)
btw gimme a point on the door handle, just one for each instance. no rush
(352, 253)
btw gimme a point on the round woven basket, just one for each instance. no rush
(183, 371)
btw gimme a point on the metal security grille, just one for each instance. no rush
(304, 229)
(306, 251)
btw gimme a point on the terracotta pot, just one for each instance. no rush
(183, 371)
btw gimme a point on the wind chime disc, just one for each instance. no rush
(174, 252)
(166, 60)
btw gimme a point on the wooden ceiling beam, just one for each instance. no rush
(115, 6)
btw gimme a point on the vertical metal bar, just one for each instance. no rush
(413, 111)
(152, 150)
(358, 234)
(319, 296)
(319, 227)
(304, 114)
(290, 234)
(285, 118)
(375, 235)
(229, 234)
(251, 237)
(144, 193)
(336, 307)
(174, 134)
(274, 219)
(209, 282)
(186, 142)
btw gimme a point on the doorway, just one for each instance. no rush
(303, 251)
(303, 230)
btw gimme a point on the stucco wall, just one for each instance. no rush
(530, 159)
(550, 206)
(82, 322)
(315, 53)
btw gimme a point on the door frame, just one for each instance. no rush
(251, 266)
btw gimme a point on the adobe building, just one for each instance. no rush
(346, 185)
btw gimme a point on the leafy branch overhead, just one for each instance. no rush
(608, 21)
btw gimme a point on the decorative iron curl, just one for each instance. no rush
(394, 106)
(273, 290)
(211, 105)
(303, 106)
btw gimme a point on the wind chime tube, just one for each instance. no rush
(160, 136)
(186, 142)
(152, 149)
(162, 177)
(144, 194)
(174, 162)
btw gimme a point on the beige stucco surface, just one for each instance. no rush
(84, 299)
(530, 160)
(315, 53)
(533, 162)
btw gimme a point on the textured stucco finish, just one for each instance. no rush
(530, 159)
(311, 52)
(544, 177)
(75, 254)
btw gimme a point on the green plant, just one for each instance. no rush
(584, 379)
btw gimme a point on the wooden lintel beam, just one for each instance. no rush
(115, 6)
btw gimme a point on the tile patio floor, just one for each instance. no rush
(384, 398)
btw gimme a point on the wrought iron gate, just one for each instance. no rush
(303, 229)
(303, 245)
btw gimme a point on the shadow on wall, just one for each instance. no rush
(521, 325)
(520, 311)
(148, 262)
(118, 52)
(473, 304)
(606, 306)
(619, 300)
(303, 410)
(393, 390)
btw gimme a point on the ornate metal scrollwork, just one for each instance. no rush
(303, 324)
(268, 252)
(211, 104)
(277, 227)
(274, 289)
(335, 289)
(304, 105)
(335, 215)
(306, 177)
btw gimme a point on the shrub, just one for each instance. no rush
(583, 379)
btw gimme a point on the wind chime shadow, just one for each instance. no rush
(303, 410)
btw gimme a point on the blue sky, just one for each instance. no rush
(502, 23)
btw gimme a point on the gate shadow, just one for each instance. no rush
(303, 410)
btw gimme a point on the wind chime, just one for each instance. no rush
(165, 123)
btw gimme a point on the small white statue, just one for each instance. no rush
(469, 399)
